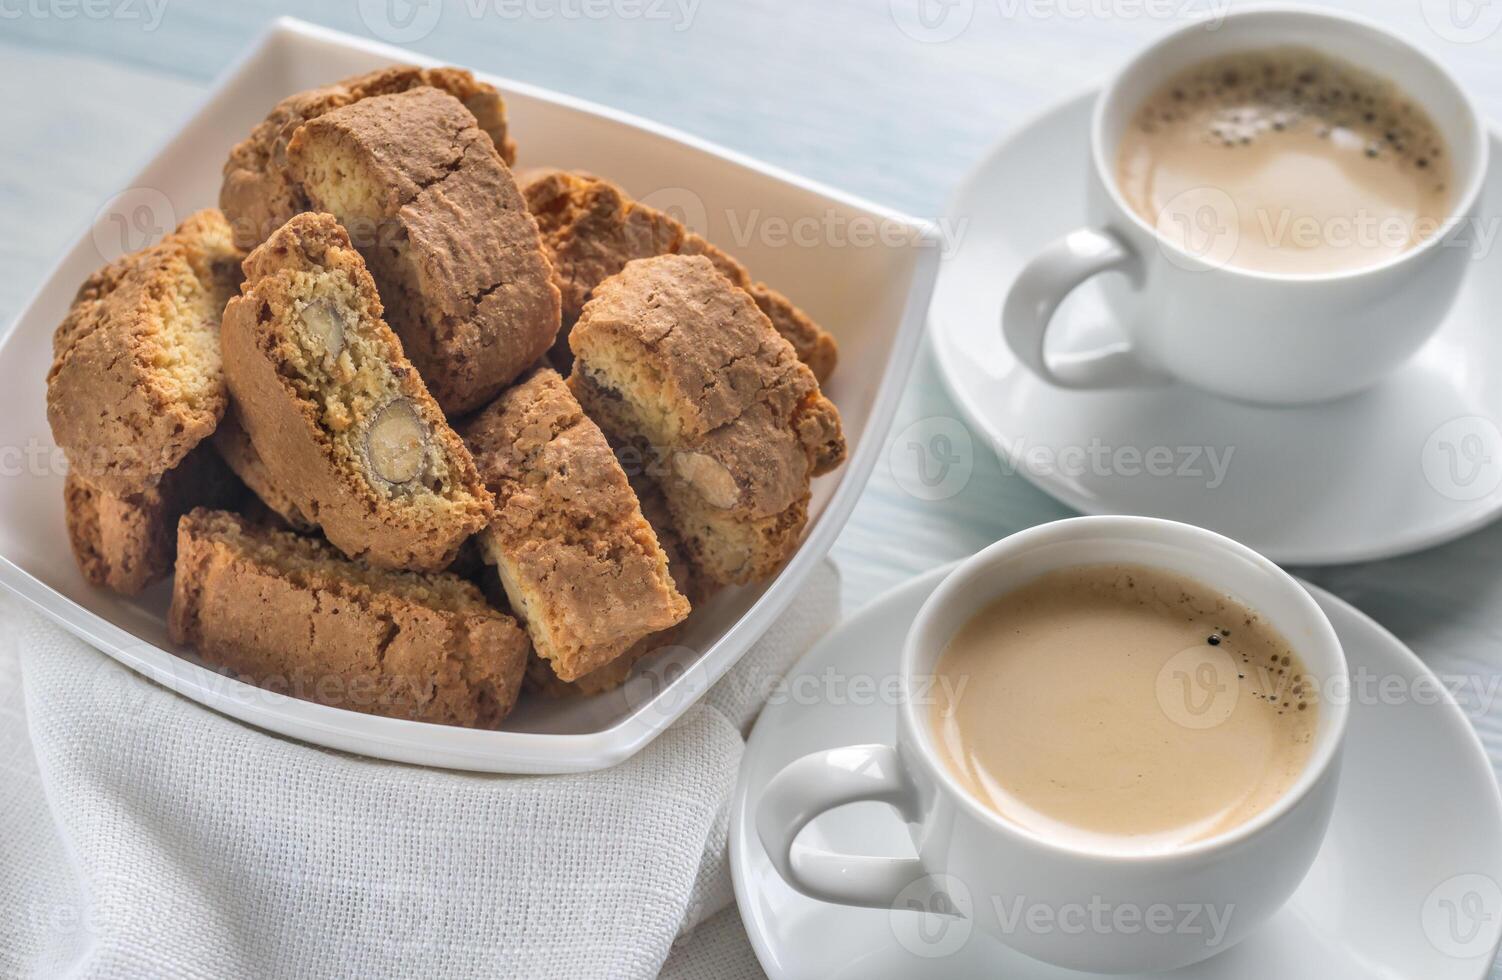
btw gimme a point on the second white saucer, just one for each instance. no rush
(1412, 463)
(1407, 884)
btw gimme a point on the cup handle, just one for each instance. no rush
(1041, 287)
(822, 781)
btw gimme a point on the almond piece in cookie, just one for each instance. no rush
(290, 614)
(591, 229)
(681, 365)
(433, 208)
(136, 380)
(338, 417)
(259, 195)
(127, 543)
(580, 565)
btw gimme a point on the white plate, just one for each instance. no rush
(1414, 462)
(1417, 828)
(871, 298)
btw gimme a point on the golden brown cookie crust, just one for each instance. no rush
(580, 565)
(446, 233)
(675, 360)
(591, 229)
(317, 418)
(136, 380)
(289, 614)
(654, 507)
(259, 195)
(233, 444)
(127, 543)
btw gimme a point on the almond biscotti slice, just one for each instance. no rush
(335, 412)
(581, 567)
(591, 229)
(234, 446)
(541, 677)
(136, 380)
(680, 364)
(290, 614)
(259, 195)
(435, 212)
(126, 543)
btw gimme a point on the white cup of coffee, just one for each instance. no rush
(1286, 201)
(1041, 734)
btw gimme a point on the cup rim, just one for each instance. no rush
(1460, 210)
(919, 732)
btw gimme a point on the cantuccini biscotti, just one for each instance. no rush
(434, 210)
(259, 194)
(581, 567)
(678, 362)
(234, 446)
(591, 229)
(338, 417)
(289, 614)
(136, 380)
(126, 543)
(540, 675)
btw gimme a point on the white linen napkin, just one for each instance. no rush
(143, 835)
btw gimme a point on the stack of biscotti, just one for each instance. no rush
(591, 229)
(260, 194)
(135, 386)
(674, 360)
(414, 163)
(343, 440)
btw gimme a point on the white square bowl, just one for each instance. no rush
(866, 275)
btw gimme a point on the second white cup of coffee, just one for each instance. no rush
(1105, 909)
(1187, 309)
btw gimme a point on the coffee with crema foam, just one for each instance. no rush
(1285, 161)
(1124, 709)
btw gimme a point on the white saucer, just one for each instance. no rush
(1414, 847)
(1412, 463)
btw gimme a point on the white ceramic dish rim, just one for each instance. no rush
(1475, 759)
(526, 752)
(1405, 543)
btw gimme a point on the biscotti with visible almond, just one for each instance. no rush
(580, 566)
(126, 543)
(136, 381)
(259, 194)
(340, 419)
(288, 613)
(591, 229)
(676, 361)
(434, 210)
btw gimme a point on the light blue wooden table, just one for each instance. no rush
(838, 90)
